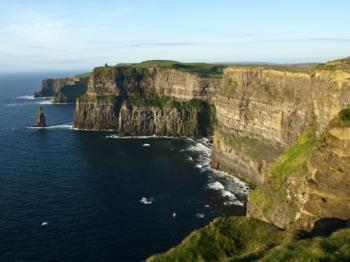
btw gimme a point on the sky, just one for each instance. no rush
(51, 35)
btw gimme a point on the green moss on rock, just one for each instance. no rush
(100, 98)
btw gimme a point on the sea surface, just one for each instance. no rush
(72, 195)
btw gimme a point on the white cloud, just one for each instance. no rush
(39, 31)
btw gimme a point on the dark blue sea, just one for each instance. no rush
(70, 195)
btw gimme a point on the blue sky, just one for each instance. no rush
(78, 35)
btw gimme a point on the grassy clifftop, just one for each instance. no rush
(226, 239)
(248, 239)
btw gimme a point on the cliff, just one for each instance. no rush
(306, 190)
(309, 181)
(148, 100)
(272, 127)
(258, 111)
(261, 111)
(64, 90)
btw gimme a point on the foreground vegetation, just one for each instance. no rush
(249, 239)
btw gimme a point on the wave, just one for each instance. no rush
(64, 126)
(27, 97)
(200, 151)
(146, 201)
(200, 215)
(216, 186)
(45, 102)
(228, 186)
(32, 100)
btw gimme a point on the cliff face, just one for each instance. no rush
(271, 107)
(309, 181)
(147, 101)
(184, 119)
(258, 111)
(96, 113)
(64, 90)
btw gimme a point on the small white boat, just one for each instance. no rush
(45, 223)
(174, 215)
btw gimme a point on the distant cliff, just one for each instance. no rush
(64, 90)
(148, 100)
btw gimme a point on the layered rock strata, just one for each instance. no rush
(147, 101)
(310, 181)
(272, 107)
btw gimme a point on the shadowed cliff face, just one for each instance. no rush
(64, 90)
(310, 181)
(261, 111)
(147, 101)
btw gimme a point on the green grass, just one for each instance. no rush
(293, 158)
(83, 75)
(232, 238)
(333, 248)
(208, 70)
(293, 161)
(249, 239)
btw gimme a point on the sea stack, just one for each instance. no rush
(40, 118)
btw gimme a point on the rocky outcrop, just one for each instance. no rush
(47, 88)
(64, 90)
(40, 118)
(245, 157)
(310, 181)
(273, 107)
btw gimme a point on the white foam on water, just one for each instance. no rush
(199, 166)
(140, 137)
(146, 145)
(229, 186)
(27, 97)
(234, 203)
(45, 102)
(228, 194)
(31, 100)
(146, 201)
(200, 215)
(65, 126)
(216, 186)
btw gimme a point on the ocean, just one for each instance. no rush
(74, 195)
